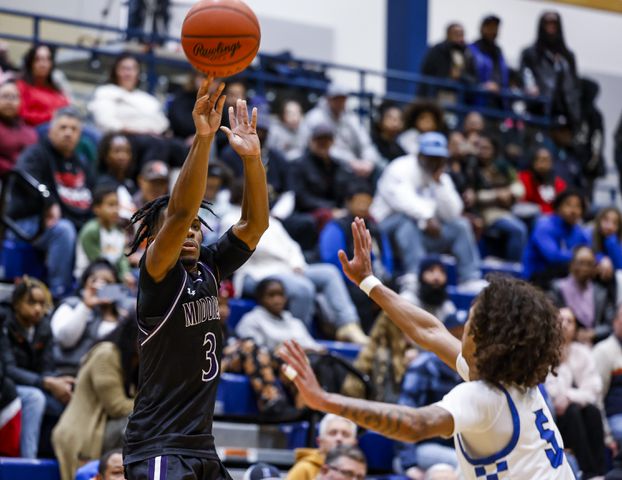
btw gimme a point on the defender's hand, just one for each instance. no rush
(242, 135)
(304, 378)
(207, 111)
(360, 266)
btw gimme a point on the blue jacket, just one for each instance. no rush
(484, 66)
(550, 243)
(426, 381)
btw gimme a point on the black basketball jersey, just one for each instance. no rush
(180, 349)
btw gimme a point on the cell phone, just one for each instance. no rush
(114, 292)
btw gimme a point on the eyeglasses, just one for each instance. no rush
(347, 473)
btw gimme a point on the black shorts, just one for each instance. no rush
(176, 467)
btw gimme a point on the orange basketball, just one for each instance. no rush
(220, 36)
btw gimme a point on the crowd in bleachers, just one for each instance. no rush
(444, 200)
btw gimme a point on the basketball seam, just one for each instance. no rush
(196, 60)
(211, 7)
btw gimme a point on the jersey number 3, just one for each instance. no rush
(555, 454)
(209, 342)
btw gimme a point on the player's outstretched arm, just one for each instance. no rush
(243, 139)
(399, 422)
(425, 329)
(189, 188)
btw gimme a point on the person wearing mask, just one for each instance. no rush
(96, 416)
(352, 145)
(548, 68)
(574, 390)
(40, 93)
(26, 346)
(386, 130)
(15, 135)
(540, 182)
(54, 162)
(333, 431)
(450, 60)
(587, 299)
(490, 65)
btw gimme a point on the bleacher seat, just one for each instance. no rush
(462, 299)
(378, 451)
(238, 307)
(88, 471)
(347, 350)
(28, 469)
(235, 395)
(20, 258)
(500, 266)
(296, 434)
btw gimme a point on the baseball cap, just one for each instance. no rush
(336, 90)
(323, 130)
(262, 471)
(155, 170)
(433, 144)
(491, 19)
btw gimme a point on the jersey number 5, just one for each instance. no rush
(209, 342)
(555, 454)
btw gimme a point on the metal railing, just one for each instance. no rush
(264, 78)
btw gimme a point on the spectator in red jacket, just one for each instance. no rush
(41, 95)
(541, 183)
(14, 134)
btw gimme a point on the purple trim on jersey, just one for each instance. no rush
(168, 314)
(151, 465)
(163, 467)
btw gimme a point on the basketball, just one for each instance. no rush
(220, 37)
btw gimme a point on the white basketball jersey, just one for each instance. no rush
(535, 450)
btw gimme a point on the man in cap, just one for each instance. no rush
(352, 145)
(153, 182)
(490, 66)
(418, 206)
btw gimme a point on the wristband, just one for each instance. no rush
(368, 283)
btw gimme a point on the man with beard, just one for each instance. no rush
(548, 68)
(450, 60)
(431, 289)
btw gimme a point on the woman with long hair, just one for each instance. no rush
(95, 419)
(40, 93)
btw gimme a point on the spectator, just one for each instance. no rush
(460, 160)
(80, 321)
(386, 130)
(235, 90)
(54, 163)
(540, 182)
(40, 93)
(450, 60)
(473, 126)
(276, 165)
(337, 235)
(269, 324)
(10, 415)
(587, 299)
(262, 471)
(278, 256)
(115, 167)
(590, 139)
(120, 106)
(497, 189)
(352, 144)
(426, 381)
(181, 106)
(15, 135)
(419, 208)
(548, 68)
(549, 248)
(101, 237)
(575, 391)
(421, 116)
(617, 150)
(333, 431)
(285, 132)
(218, 194)
(26, 346)
(95, 419)
(111, 466)
(490, 66)
(384, 360)
(344, 462)
(608, 360)
(153, 182)
(431, 289)
(607, 236)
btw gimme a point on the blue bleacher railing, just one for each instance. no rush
(263, 77)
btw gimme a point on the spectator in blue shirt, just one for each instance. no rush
(549, 249)
(607, 236)
(426, 381)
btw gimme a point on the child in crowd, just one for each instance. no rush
(101, 237)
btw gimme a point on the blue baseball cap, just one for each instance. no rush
(433, 144)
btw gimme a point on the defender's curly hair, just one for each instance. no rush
(148, 217)
(517, 333)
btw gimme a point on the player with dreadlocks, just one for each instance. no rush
(169, 434)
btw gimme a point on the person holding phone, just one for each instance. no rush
(81, 320)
